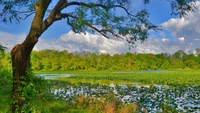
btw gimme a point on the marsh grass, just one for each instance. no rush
(108, 104)
(167, 77)
(103, 105)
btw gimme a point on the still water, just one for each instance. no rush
(150, 97)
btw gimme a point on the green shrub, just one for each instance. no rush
(5, 89)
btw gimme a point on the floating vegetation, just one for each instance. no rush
(183, 77)
(155, 98)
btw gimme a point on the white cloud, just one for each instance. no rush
(176, 23)
(181, 39)
(10, 40)
(97, 43)
(92, 42)
(187, 26)
(165, 39)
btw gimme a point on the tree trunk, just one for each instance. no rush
(21, 64)
(21, 52)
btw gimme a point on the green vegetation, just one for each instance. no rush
(52, 60)
(101, 99)
(5, 90)
(41, 100)
(176, 77)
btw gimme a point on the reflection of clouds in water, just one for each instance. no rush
(53, 76)
(149, 97)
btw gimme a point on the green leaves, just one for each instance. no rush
(182, 7)
(16, 10)
(111, 18)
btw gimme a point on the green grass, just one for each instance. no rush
(176, 77)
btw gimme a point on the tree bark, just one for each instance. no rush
(21, 64)
(21, 60)
(21, 52)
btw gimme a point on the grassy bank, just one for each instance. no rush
(44, 102)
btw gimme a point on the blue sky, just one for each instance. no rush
(175, 35)
(159, 12)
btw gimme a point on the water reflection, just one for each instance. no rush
(102, 82)
(65, 77)
(185, 99)
(150, 97)
(53, 76)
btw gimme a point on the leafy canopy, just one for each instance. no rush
(107, 17)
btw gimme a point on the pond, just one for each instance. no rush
(152, 99)
(149, 97)
(53, 76)
(63, 77)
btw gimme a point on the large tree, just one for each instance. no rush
(101, 16)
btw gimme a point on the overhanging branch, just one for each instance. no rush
(93, 5)
(53, 16)
(101, 31)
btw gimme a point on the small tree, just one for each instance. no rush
(2, 49)
(2, 52)
(88, 16)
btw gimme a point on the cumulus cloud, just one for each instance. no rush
(97, 43)
(165, 39)
(84, 42)
(187, 27)
(181, 39)
(186, 30)
(10, 40)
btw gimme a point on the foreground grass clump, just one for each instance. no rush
(93, 105)
(84, 104)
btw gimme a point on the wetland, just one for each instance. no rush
(151, 90)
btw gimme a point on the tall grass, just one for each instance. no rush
(178, 77)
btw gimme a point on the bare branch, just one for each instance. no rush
(99, 31)
(68, 21)
(92, 5)
(27, 15)
(90, 26)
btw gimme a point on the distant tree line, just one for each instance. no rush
(53, 60)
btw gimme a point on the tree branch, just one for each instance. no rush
(53, 16)
(90, 26)
(92, 5)
(27, 15)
